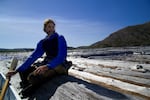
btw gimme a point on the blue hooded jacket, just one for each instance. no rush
(54, 46)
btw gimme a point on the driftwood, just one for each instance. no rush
(70, 88)
(117, 76)
(116, 72)
(142, 79)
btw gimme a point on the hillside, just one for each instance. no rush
(138, 35)
(16, 50)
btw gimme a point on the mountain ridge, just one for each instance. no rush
(137, 35)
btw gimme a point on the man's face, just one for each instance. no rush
(50, 28)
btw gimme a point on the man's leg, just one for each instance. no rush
(37, 80)
(60, 70)
(23, 75)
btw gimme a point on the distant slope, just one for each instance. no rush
(138, 35)
(23, 49)
(16, 50)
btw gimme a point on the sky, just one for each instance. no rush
(81, 22)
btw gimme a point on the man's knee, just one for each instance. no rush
(34, 79)
(61, 70)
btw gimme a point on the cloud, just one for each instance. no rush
(76, 32)
(83, 32)
(19, 24)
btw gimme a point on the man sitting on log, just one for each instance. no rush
(34, 74)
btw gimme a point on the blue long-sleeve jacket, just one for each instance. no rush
(58, 50)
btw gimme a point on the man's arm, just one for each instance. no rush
(38, 52)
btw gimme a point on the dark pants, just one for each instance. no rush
(28, 76)
(30, 81)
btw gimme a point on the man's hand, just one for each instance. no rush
(41, 69)
(10, 74)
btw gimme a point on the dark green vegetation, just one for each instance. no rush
(23, 49)
(138, 35)
(16, 50)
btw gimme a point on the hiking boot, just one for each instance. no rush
(24, 84)
(67, 64)
(28, 91)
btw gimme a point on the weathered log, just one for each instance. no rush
(70, 88)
